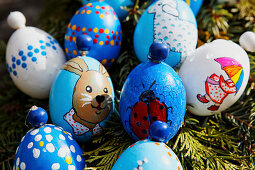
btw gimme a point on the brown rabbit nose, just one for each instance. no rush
(100, 99)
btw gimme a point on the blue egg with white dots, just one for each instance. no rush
(148, 155)
(48, 147)
(171, 22)
(36, 50)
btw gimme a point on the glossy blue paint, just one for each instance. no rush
(48, 147)
(37, 116)
(159, 131)
(152, 91)
(99, 21)
(147, 155)
(169, 21)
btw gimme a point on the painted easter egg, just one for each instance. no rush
(169, 21)
(99, 21)
(152, 91)
(195, 5)
(221, 73)
(148, 155)
(47, 146)
(33, 57)
(82, 96)
(117, 5)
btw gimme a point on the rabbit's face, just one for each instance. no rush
(92, 97)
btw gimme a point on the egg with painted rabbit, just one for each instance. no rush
(168, 21)
(33, 57)
(82, 97)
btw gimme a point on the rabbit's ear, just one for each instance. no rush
(102, 69)
(77, 66)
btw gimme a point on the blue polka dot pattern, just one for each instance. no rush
(32, 50)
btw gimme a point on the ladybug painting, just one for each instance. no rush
(153, 91)
(148, 110)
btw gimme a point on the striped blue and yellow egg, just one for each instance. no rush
(99, 21)
(48, 147)
(146, 155)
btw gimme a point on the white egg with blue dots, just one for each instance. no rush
(48, 147)
(33, 58)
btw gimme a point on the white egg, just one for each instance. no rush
(33, 57)
(215, 76)
(247, 41)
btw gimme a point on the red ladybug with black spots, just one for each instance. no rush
(147, 110)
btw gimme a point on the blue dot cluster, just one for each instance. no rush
(20, 60)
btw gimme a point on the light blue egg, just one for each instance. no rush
(116, 5)
(148, 155)
(169, 21)
(195, 5)
(48, 147)
(152, 92)
(82, 98)
(99, 21)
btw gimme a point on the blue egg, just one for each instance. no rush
(169, 21)
(48, 147)
(195, 5)
(153, 91)
(147, 155)
(117, 6)
(99, 21)
(82, 98)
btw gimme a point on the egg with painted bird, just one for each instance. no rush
(169, 21)
(148, 155)
(118, 6)
(33, 57)
(215, 76)
(47, 147)
(99, 21)
(195, 5)
(153, 91)
(82, 95)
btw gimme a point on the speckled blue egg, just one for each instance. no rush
(48, 147)
(82, 98)
(117, 5)
(195, 5)
(152, 91)
(169, 21)
(99, 21)
(148, 155)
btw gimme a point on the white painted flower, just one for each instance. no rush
(72, 148)
(70, 137)
(30, 145)
(47, 129)
(49, 138)
(139, 162)
(71, 167)
(62, 152)
(36, 153)
(62, 137)
(22, 165)
(38, 137)
(17, 161)
(57, 129)
(50, 147)
(78, 158)
(34, 132)
(55, 166)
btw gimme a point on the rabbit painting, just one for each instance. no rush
(92, 98)
(171, 28)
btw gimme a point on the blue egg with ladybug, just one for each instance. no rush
(47, 146)
(171, 22)
(148, 155)
(152, 92)
(117, 5)
(82, 95)
(100, 22)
